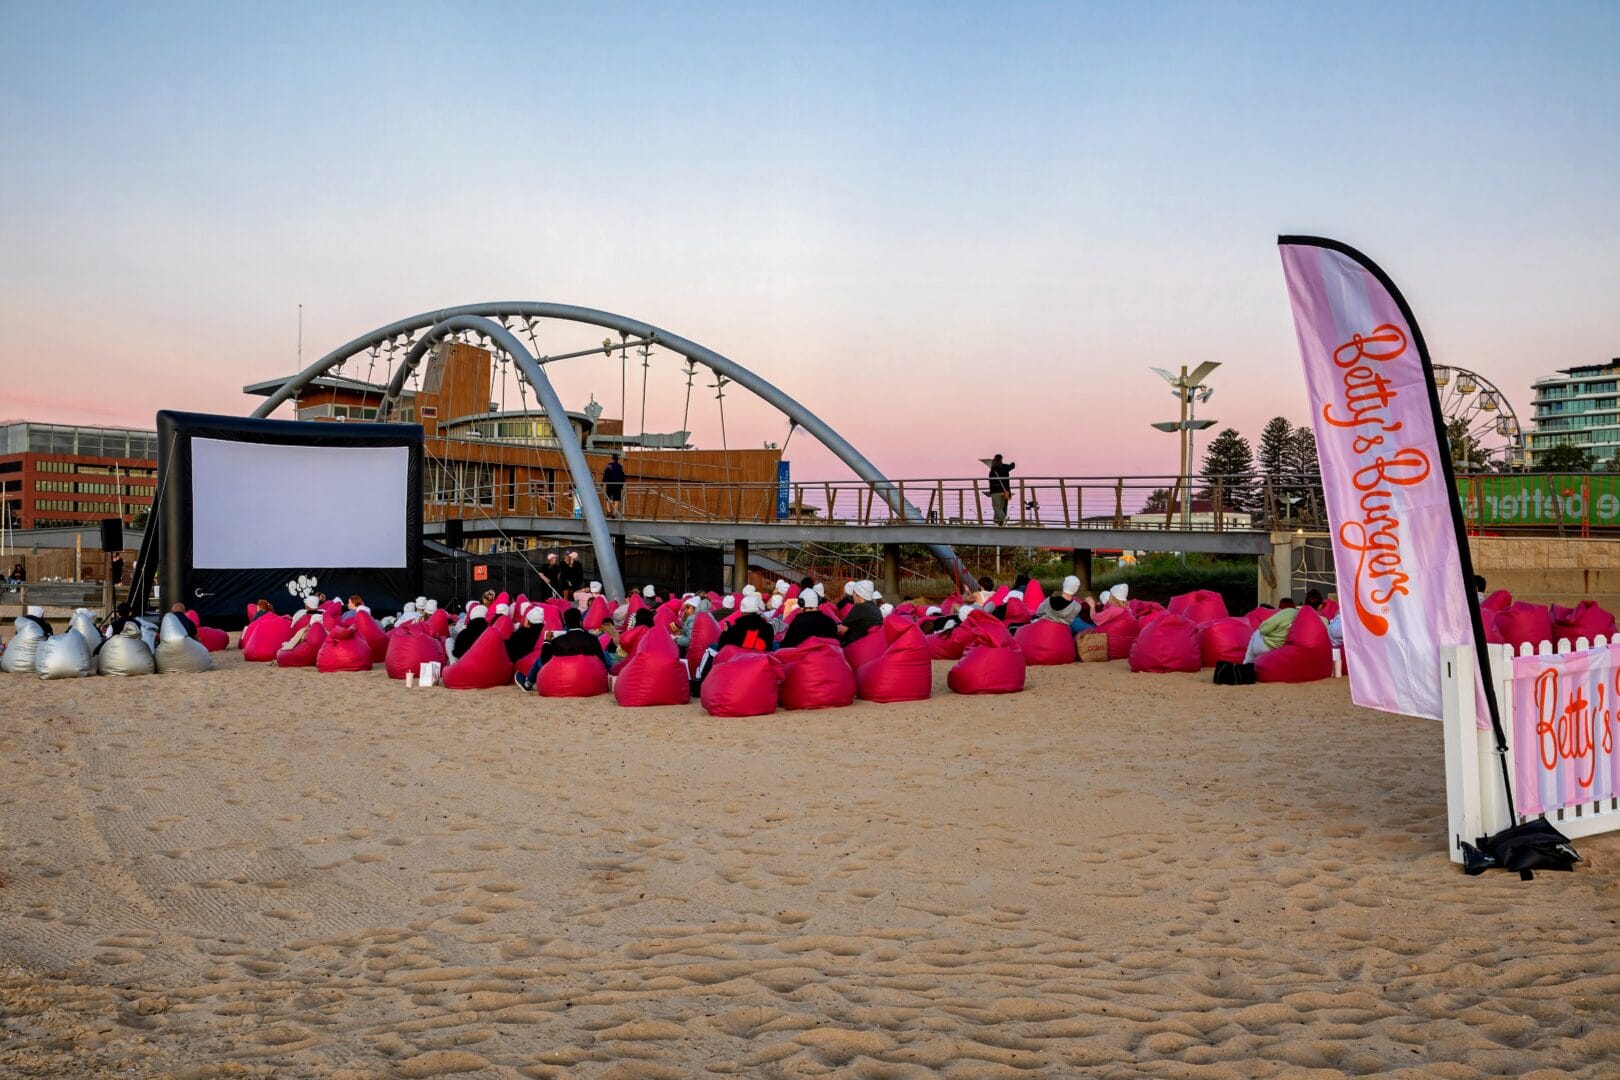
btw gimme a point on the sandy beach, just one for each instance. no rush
(259, 872)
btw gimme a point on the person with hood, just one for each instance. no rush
(477, 623)
(864, 616)
(1064, 606)
(527, 636)
(574, 640)
(1000, 488)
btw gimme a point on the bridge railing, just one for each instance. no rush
(1114, 502)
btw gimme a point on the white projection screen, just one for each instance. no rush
(336, 505)
(253, 509)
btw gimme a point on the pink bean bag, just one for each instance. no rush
(705, 632)
(1306, 655)
(264, 637)
(742, 683)
(1500, 600)
(951, 644)
(1017, 613)
(904, 671)
(1524, 623)
(1258, 616)
(438, 624)
(1121, 628)
(1329, 609)
(333, 611)
(571, 676)
(213, 640)
(866, 649)
(373, 635)
(1044, 642)
(991, 669)
(1200, 606)
(1145, 609)
(304, 653)
(596, 613)
(1033, 594)
(409, 648)
(816, 675)
(1585, 620)
(343, 650)
(1167, 643)
(656, 675)
(1224, 639)
(486, 665)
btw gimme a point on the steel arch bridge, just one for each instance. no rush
(489, 321)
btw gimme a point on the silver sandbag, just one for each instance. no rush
(126, 653)
(64, 656)
(177, 651)
(18, 658)
(83, 623)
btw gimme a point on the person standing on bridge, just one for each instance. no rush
(1000, 489)
(613, 487)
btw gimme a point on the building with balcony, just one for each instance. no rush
(1579, 407)
(64, 474)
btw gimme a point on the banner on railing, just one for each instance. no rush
(1386, 476)
(1565, 726)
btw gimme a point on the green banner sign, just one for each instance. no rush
(1541, 499)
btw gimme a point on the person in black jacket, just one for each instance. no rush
(613, 486)
(477, 623)
(864, 617)
(1000, 489)
(575, 640)
(527, 636)
(185, 620)
(810, 622)
(572, 574)
(750, 630)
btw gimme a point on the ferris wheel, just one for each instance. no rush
(1480, 421)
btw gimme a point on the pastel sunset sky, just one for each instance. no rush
(950, 229)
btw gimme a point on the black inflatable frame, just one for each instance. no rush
(228, 592)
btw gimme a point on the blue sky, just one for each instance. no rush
(917, 218)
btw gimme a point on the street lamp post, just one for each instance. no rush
(1188, 388)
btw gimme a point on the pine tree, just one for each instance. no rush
(1229, 466)
(1307, 471)
(1274, 449)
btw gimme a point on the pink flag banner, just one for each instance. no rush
(1404, 575)
(1565, 726)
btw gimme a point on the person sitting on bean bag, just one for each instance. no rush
(1271, 633)
(526, 638)
(477, 623)
(750, 631)
(1306, 655)
(863, 616)
(1063, 607)
(575, 640)
(810, 622)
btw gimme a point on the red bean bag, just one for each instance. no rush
(1524, 623)
(438, 623)
(991, 669)
(304, 653)
(1585, 620)
(816, 675)
(1305, 655)
(411, 646)
(866, 649)
(904, 671)
(343, 650)
(485, 665)
(333, 611)
(656, 675)
(742, 683)
(951, 644)
(999, 597)
(1145, 609)
(597, 612)
(629, 642)
(1259, 615)
(1120, 627)
(1500, 600)
(264, 637)
(1167, 643)
(1328, 610)
(213, 640)
(1033, 594)
(1224, 639)
(1200, 606)
(571, 676)
(1017, 613)
(373, 635)
(705, 632)
(1044, 642)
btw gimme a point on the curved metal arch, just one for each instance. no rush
(714, 361)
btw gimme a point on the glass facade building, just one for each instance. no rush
(65, 474)
(1579, 407)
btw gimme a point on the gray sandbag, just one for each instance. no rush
(64, 656)
(126, 653)
(18, 658)
(178, 652)
(149, 631)
(83, 623)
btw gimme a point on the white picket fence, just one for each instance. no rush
(1476, 804)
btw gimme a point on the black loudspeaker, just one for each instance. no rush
(112, 534)
(452, 532)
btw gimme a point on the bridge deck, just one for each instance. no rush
(779, 534)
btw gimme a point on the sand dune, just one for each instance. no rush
(279, 873)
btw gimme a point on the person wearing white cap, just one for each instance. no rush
(886, 610)
(477, 623)
(1119, 594)
(409, 615)
(649, 594)
(810, 622)
(596, 588)
(36, 614)
(527, 636)
(430, 607)
(728, 602)
(749, 630)
(572, 574)
(781, 587)
(864, 616)
(1064, 606)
